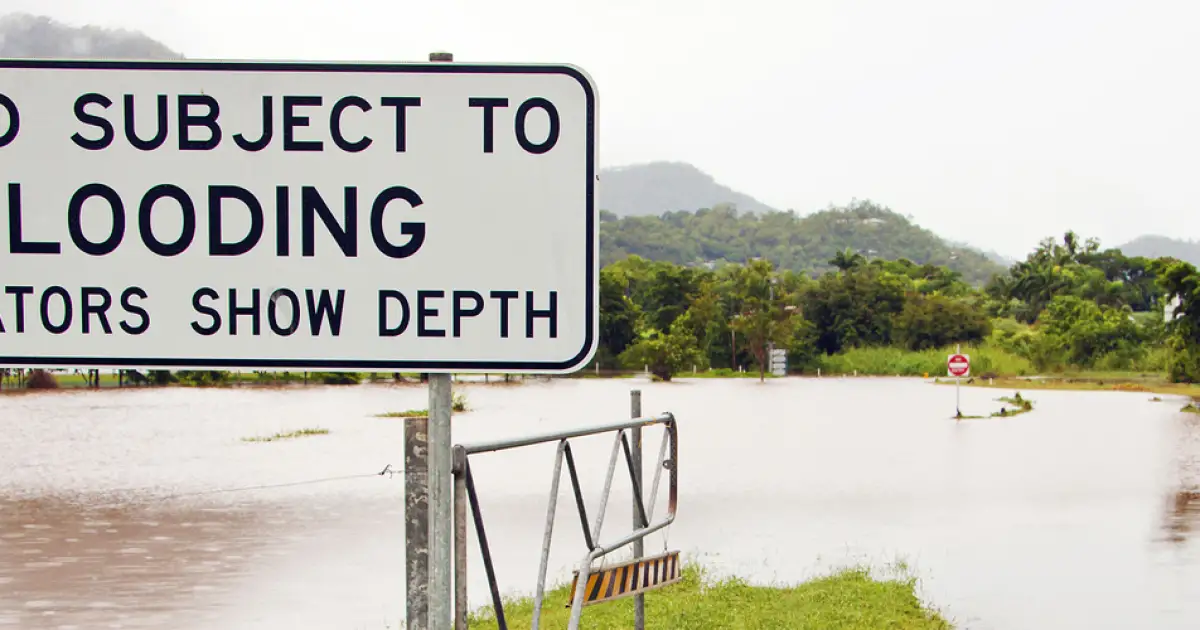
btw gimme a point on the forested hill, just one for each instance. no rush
(798, 243)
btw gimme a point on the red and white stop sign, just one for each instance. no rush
(958, 365)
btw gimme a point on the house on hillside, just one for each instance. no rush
(1169, 314)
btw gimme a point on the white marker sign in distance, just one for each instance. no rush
(421, 217)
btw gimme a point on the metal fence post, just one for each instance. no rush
(416, 523)
(635, 411)
(460, 539)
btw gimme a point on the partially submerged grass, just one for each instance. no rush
(724, 373)
(458, 403)
(1190, 408)
(1020, 406)
(411, 413)
(603, 374)
(1148, 382)
(287, 436)
(847, 600)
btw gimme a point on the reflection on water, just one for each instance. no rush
(145, 509)
(1183, 516)
(64, 564)
(1183, 506)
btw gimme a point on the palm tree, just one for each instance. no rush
(847, 259)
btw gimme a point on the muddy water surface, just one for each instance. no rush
(146, 509)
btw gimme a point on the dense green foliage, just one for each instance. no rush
(1067, 306)
(1182, 338)
(801, 244)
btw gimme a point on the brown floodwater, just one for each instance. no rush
(146, 509)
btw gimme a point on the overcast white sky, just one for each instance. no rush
(993, 122)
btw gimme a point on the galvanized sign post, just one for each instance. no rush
(958, 365)
(441, 517)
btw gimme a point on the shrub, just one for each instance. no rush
(41, 379)
(338, 378)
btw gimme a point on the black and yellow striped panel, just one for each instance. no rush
(631, 578)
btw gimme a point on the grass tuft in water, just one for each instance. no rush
(411, 413)
(458, 403)
(287, 436)
(847, 600)
(1021, 405)
(1190, 408)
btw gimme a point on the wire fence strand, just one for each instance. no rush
(388, 471)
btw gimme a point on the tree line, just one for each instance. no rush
(1068, 306)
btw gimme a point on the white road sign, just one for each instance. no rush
(420, 217)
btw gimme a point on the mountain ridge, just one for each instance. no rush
(1156, 246)
(24, 35)
(652, 188)
(649, 189)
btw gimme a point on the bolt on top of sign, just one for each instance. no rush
(437, 217)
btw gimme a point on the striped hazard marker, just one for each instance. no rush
(631, 578)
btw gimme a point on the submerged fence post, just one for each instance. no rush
(416, 523)
(635, 411)
(460, 539)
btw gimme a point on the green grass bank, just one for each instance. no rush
(998, 368)
(847, 600)
(1089, 381)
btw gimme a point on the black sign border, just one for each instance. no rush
(591, 274)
